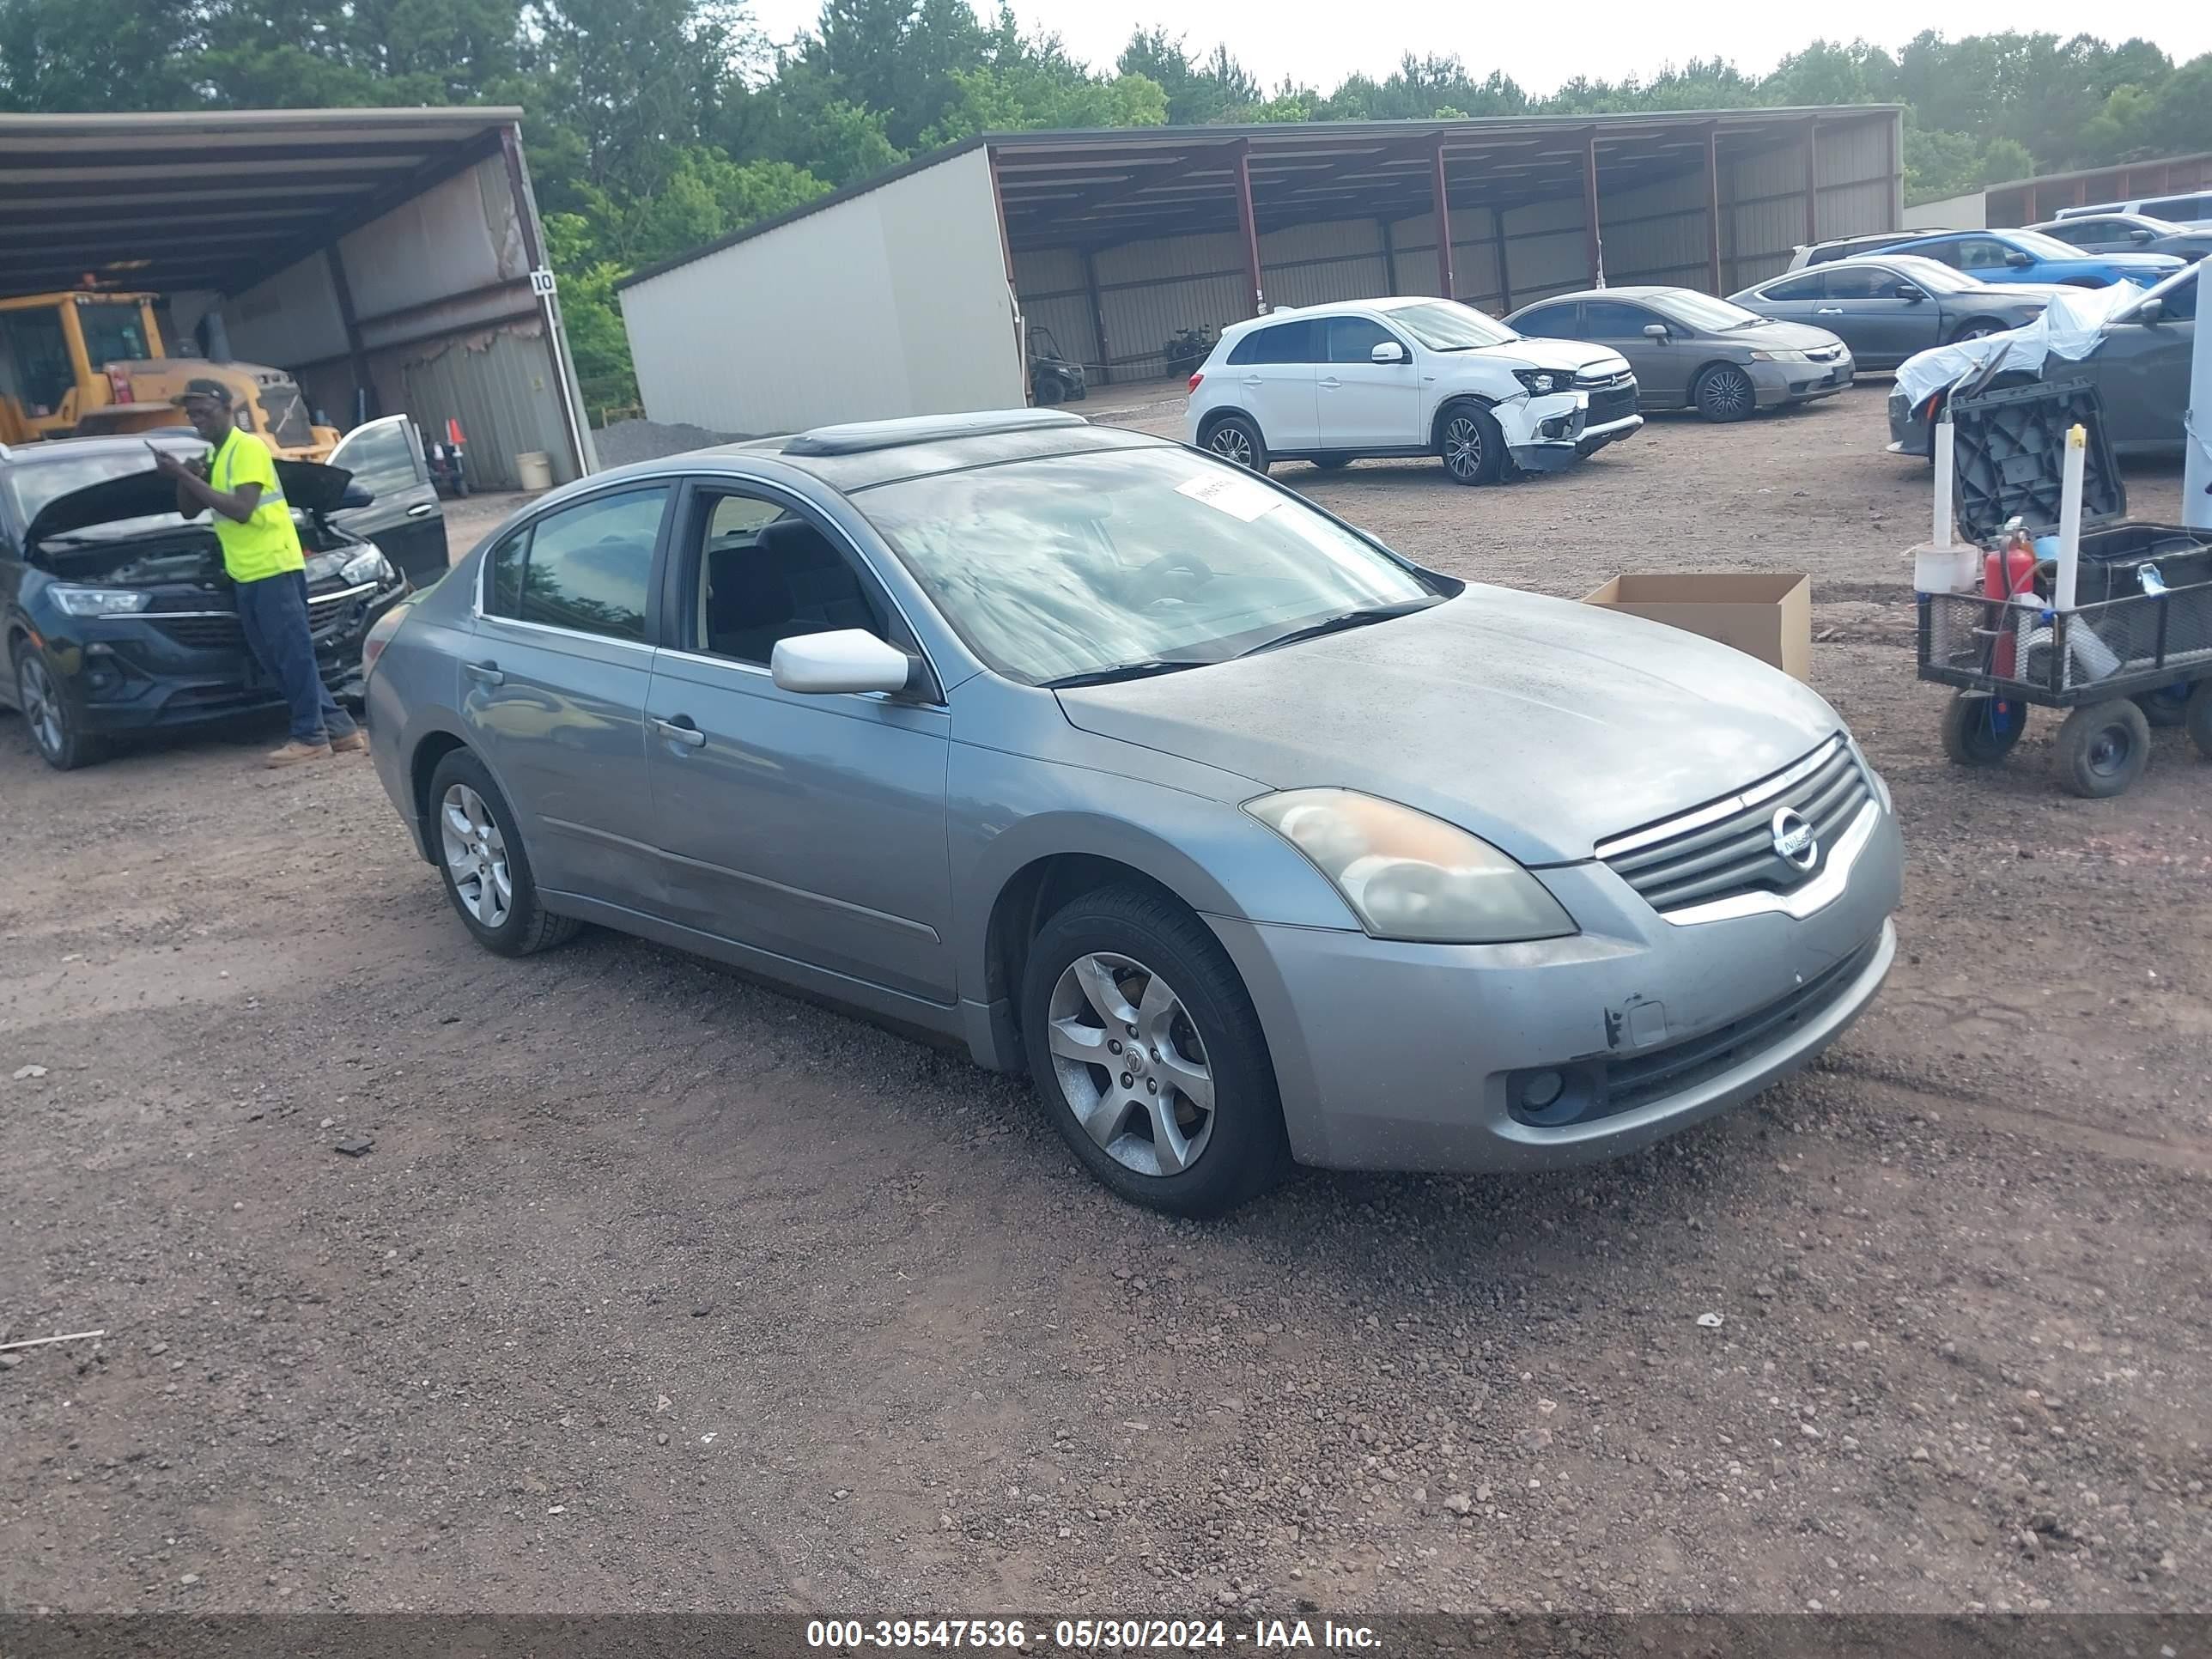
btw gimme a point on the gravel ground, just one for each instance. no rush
(658, 1290)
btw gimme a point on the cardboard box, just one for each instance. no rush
(1768, 616)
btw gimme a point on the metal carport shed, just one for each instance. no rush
(910, 293)
(381, 257)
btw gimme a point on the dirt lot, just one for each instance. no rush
(659, 1289)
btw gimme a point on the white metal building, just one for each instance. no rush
(909, 294)
(381, 257)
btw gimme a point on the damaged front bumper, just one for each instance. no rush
(1551, 433)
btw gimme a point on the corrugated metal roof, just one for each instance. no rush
(1112, 187)
(212, 199)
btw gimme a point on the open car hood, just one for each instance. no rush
(307, 485)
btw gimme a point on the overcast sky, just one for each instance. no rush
(1319, 42)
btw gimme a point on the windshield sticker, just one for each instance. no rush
(1242, 499)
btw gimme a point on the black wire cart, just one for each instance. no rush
(2134, 652)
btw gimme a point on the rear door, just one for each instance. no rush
(1864, 304)
(553, 689)
(1364, 404)
(1273, 371)
(406, 520)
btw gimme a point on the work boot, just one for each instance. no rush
(353, 743)
(295, 751)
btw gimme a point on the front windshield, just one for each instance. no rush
(1448, 325)
(1072, 564)
(2042, 246)
(1694, 310)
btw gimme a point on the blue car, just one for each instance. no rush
(2029, 256)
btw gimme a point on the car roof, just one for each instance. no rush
(62, 449)
(1387, 302)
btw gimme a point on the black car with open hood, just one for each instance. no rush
(115, 615)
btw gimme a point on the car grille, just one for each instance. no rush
(207, 629)
(1644, 1078)
(1606, 407)
(1727, 848)
(1825, 353)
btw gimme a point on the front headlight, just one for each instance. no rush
(1543, 381)
(369, 565)
(1408, 876)
(1777, 357)
(99, 601)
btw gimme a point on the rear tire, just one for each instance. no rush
(1236, 439)
(1126, 963)
(1725, 393)
(1472, 445)
(481, 858)
(2102, 749)
(2198, 717)
(2169, 706)
(1981, 731)
(1045, 391)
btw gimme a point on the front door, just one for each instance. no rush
(2142, 369)
(553, 690)
(1271, 371)
(812, 827)
(1862, 304)
(1361, 403)
(1663, 366)
(406, 520)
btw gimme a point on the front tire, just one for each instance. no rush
(481, 857)
(1472, 445)
(1236, 439)
(1980, 328)
(1981, 731)
(1046, 390)
(1148, 1054)
(1725, 393)
(55, 731)
(2102, 749)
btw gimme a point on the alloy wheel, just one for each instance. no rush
(1231, 444)
(1130, 1065)
(1728, 393)
(1463, 446)
(475, 855)
(41, 705)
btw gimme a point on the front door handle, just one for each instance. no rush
(421, 509)
(484, 673)
(681, 730)
(1331, 384)
(1827, 311)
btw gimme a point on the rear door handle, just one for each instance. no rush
(421, 509)
(1331, 384)
(484, 673)
(681, 730)
(1827, 311)
(1254, 380)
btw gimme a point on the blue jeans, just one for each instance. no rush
(273, 613)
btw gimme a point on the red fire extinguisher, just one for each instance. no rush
(2006, 571)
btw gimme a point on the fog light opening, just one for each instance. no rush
(1540, 1088)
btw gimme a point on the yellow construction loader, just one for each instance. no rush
(86, 362)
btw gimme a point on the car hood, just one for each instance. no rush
(2162, 264)
(1776, 337)
(307, 486)
(1539, 351)
(1544, 726)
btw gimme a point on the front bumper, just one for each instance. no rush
(1395, 1056)
(1781, 384)
(157, 671)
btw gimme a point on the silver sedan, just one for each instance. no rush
(1248, 840)
(1887, 306)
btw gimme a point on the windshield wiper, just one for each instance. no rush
(1122, 671)
(1342, 620)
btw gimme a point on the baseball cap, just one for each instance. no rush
(200, 387)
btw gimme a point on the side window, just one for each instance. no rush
(42, 374)
(1981, 254)
(1286, 343)
(504, 597)
(1614, 319)
(2179, 207)
(2079, 233)
(1857, 282)
(1943, 252)
(766, 573)
(1549, 323)
(1806, 286)
(590, 566)
(1353, 339)
(381, 457)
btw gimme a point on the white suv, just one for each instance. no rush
(1412, 376)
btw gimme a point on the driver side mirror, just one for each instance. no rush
(2018, 260)
(1390, 352)
(1909, 291)
(1656, 331)
(355, 494)
(2138, 235)
(848, 659)
(2150, 311)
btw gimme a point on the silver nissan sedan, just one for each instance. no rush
(1251, 840)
